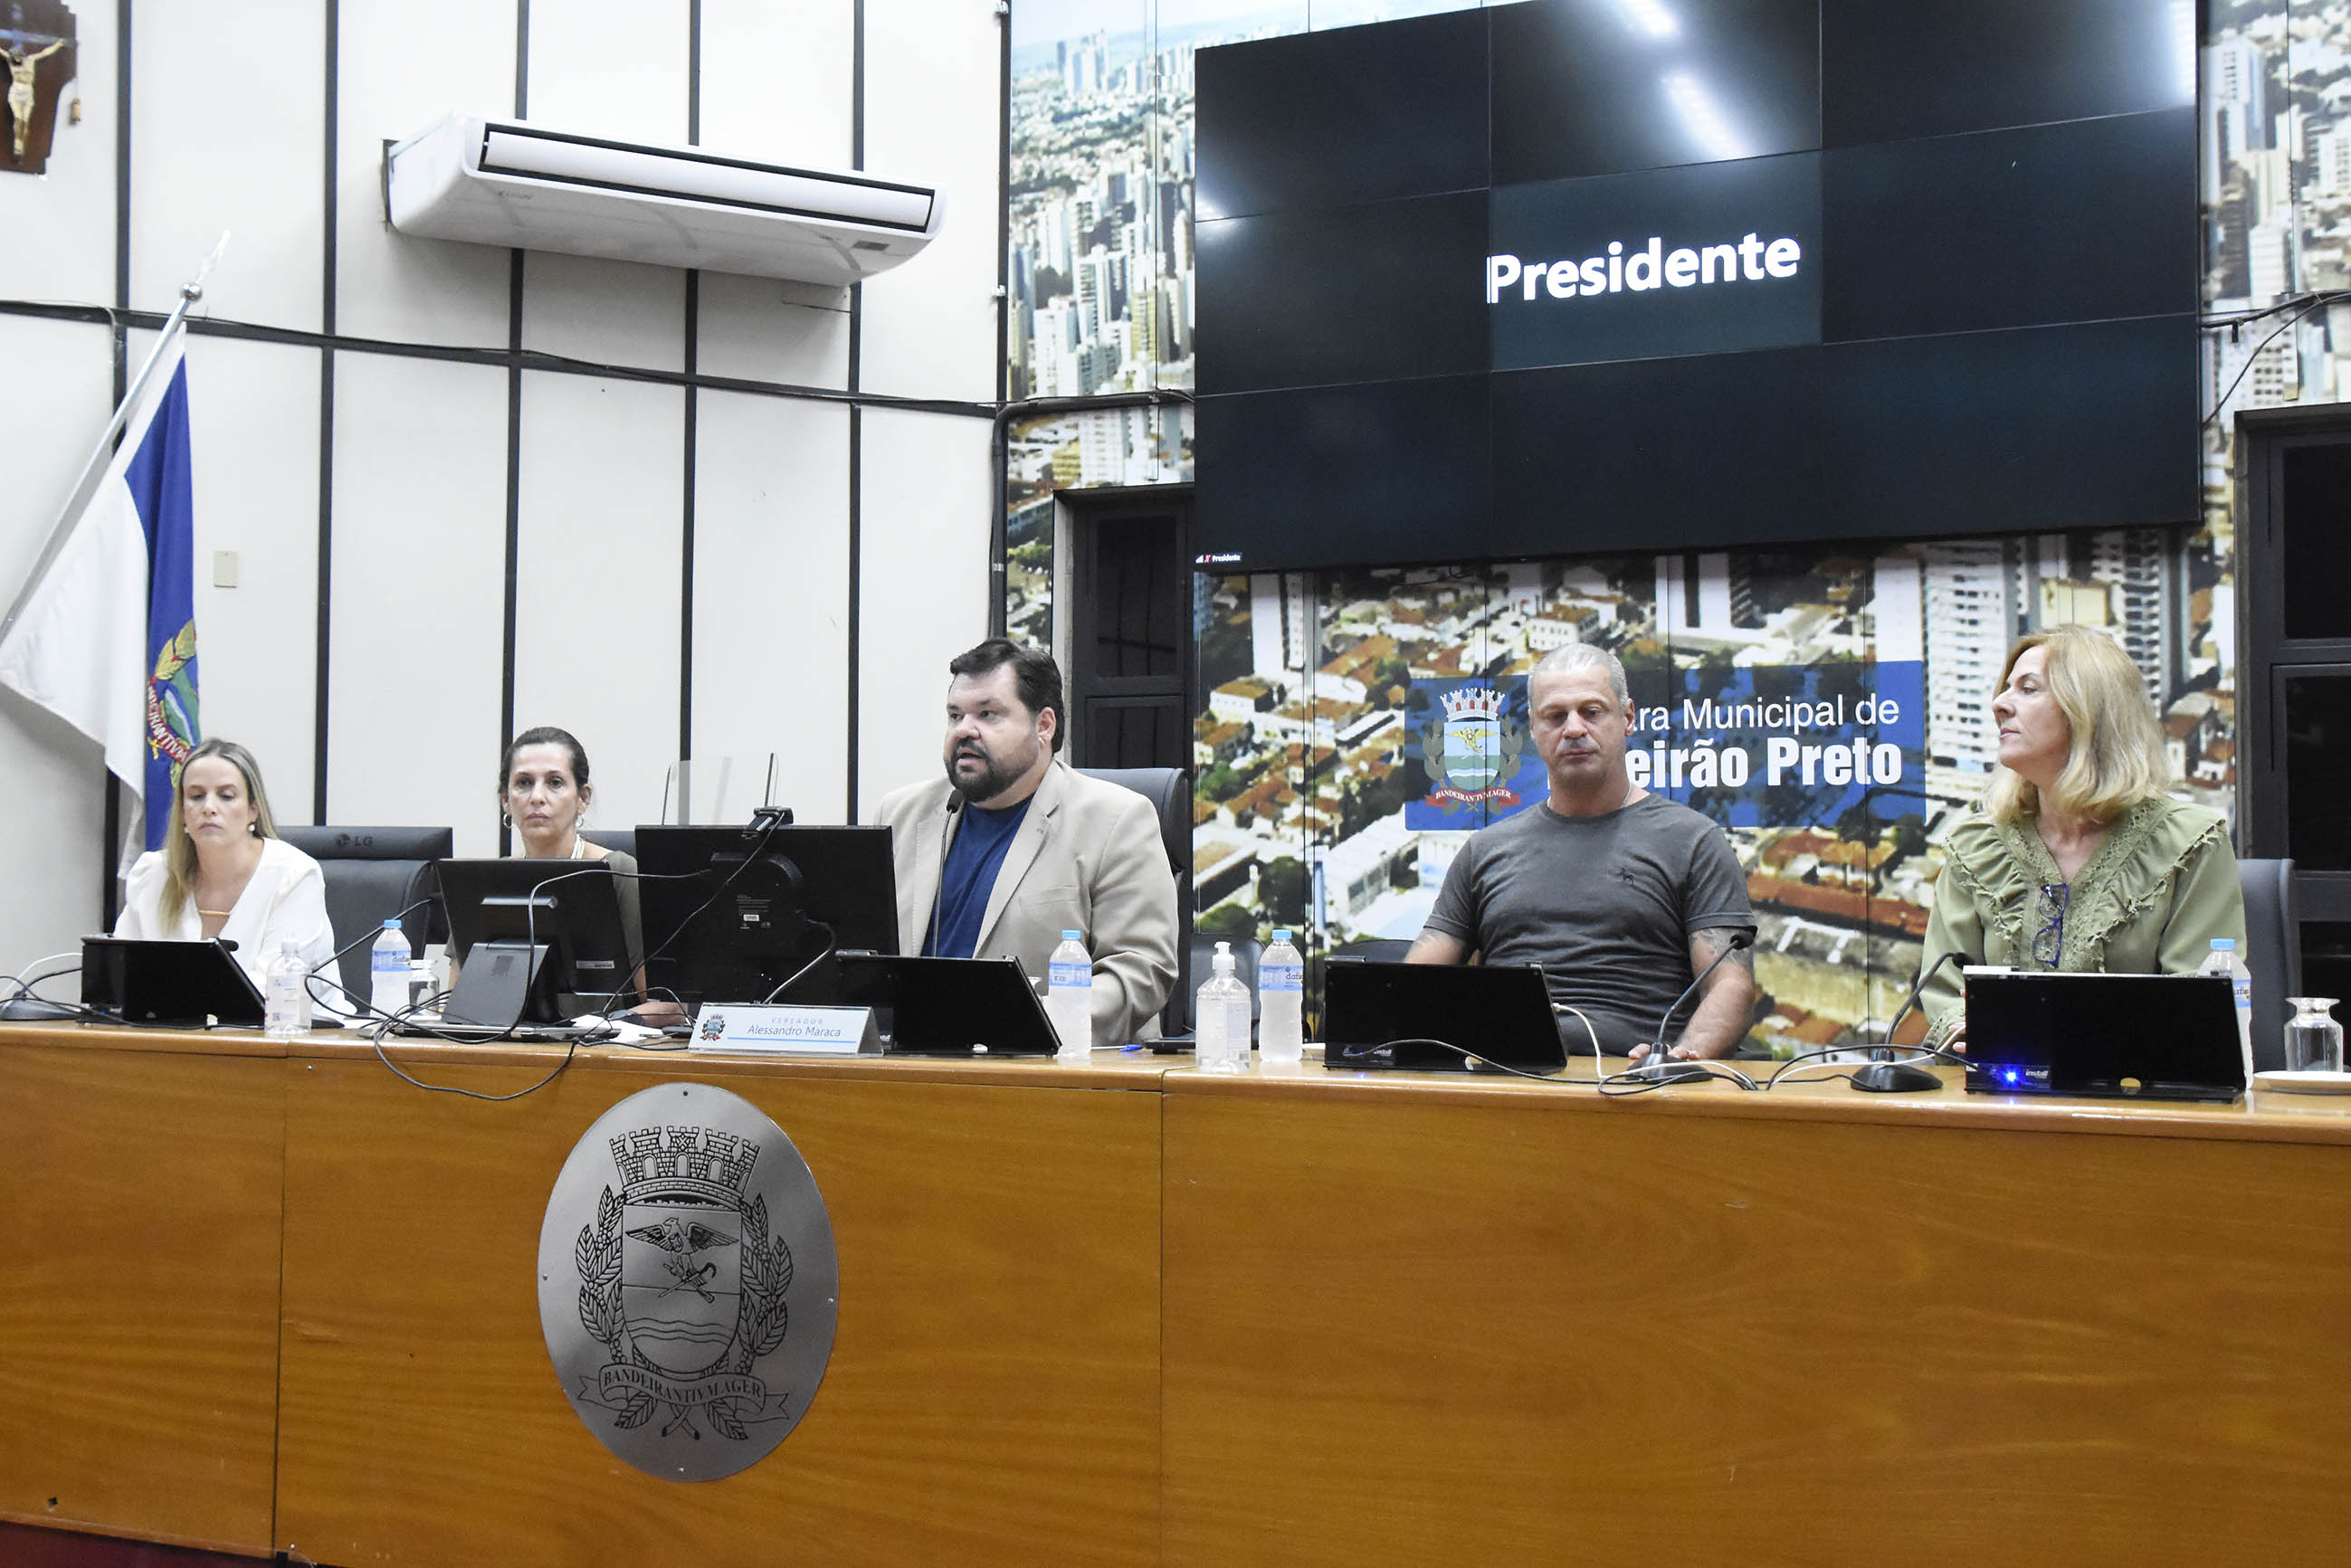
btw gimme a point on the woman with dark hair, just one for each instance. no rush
(544, 794)
(223, 872)
(2075, 859)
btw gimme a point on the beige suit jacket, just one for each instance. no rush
(1087, 858)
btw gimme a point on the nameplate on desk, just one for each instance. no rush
(787, 1030)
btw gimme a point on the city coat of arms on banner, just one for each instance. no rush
(1478, 749)
(687, 1282)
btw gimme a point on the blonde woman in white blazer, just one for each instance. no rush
(223, 872)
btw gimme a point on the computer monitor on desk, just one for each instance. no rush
(732, 914)
(541, 939)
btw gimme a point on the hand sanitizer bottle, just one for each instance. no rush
(287, 997)
(1223, 1018)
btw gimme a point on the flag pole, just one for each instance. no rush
(189, 292)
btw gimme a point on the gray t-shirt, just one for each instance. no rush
(1605, 904)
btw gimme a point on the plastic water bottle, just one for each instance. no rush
(1070, 996)
(388, 971)
(1281, 996)
(287, 996)
(2223, 961)
(1222, 1023)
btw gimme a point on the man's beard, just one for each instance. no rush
(986, 786)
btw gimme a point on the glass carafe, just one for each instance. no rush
(2313, 1041)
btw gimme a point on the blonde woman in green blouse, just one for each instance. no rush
(2075, 859)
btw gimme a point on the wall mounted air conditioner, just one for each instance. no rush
(505, 182)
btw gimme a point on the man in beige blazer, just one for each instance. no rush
(1013, 847)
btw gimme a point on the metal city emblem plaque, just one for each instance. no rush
(687, 1282)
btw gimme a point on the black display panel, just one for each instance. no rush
(1343, 294)
(1357, 114)
(1891, 70)
(1701, 259)
(1984, 325)
(2011, 228)
(1603, 87)
(1400, 468)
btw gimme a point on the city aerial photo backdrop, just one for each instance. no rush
(1829, 706)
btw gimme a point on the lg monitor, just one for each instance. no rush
(734, 914)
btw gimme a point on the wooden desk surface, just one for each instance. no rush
(1299, 1316)
(1487, 1321)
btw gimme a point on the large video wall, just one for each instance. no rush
(1325, 795)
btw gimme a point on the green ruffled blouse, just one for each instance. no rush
(2149, 901)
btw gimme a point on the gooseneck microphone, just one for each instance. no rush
(1657, 1068)
(1883, 1074)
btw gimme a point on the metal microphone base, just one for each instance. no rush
(1669, 1072)
(31, 1009)
(1893, 1078)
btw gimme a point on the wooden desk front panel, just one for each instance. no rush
(1405, 1330)
(993, 1393)
(139, 1295)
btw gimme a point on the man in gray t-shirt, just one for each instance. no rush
(1622, 895)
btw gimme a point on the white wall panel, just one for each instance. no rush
(418, 623)
(61, 224)
(610, 67)
(56, 777)
(776, 81)
(771, 591)
(253, 415)
(925, 586)
(390, 285)
(606, 312)
(776, 86)
(213, 148)
(69, 391)
(932, 115)
(761, 329)
(596, 640)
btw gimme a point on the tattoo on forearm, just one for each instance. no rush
(1717, 939)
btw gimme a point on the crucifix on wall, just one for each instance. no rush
(36, 43)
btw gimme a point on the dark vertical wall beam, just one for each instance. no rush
(514, 428)
(692, 356)
(326, 425)
(108, 900)
(856, 418)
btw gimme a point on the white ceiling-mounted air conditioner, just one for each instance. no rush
(505, 182)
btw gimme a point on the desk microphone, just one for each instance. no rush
(1883, 1075)
(1657, 1068)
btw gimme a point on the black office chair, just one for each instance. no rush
(623, 839)
(2273, 952)
(1169, 790)
(373, 874)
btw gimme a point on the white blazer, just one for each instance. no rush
(286, 901)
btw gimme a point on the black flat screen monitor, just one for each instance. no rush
(2157, 1037)
(542, 940)
(949, 1007)
(1386, 1015)
(189, 984)
(730, 915)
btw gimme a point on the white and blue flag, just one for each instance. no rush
(108, 642)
